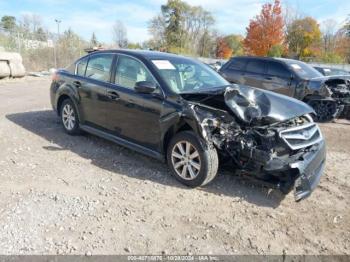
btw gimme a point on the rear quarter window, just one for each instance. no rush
(256, 66)
(81, 66)
(99, 67)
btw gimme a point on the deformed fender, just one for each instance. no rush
(190, 115)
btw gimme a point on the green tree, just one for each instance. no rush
(8, 23)
(235, 43)
(303, 37)
(40, 34)
(276, 51)
(331, 57)
(70, 47)
(134, 46)
(182, 28)
(173, 13)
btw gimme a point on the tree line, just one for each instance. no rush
(182, 28)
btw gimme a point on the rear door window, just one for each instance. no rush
(277, 69)
(256, 67)
(99, 67)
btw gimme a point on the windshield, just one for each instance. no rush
(303, 70)
(334, 71)
(188, 76)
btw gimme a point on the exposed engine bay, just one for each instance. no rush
(257, 133)
(330, 101)
(340, 92)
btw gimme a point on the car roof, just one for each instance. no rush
(264, 58)
(141, 53)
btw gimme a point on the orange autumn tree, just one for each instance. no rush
(223, 49)
(265, 31)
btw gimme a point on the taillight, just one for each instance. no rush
(55, 77)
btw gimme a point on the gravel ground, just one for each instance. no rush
(84, 195)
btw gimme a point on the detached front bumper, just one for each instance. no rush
(302, 171)
(310, 170)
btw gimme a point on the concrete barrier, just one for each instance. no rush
(11, 65)
(4, 69)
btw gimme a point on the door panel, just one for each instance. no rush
(92, 102)
(277, 84)
(278, 79)
(134, 116)
(255, 73)
(92, 89)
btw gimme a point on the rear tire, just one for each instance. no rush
(69, 117)
(191, 163)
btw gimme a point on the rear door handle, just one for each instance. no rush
(77, 84)
(113, 95)
(268, 78)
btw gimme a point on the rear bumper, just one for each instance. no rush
(310, 170)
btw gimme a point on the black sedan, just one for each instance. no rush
(179, 110)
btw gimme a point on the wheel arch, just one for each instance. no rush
(59, 103)
(182, 125)
(61, 98)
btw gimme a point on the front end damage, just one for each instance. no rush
(340, 92)
(330, 97)
(263, 135)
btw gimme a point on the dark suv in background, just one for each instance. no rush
(328, 71)
(327, 95)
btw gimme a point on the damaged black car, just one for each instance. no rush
(329, 96)
(180, 111)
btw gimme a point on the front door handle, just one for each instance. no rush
(113, 95)
(77, 84)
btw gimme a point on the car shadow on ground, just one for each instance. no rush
(117, 159)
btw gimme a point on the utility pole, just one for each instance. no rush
(18, 42)
(56, 45)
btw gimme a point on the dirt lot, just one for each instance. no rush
(83, 195)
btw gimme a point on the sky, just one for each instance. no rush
(88, 16)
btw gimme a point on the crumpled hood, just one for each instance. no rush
(317, 83)
(256, 105)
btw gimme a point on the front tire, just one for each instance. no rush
(69, 117)
(190, 162)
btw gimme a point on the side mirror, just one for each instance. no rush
(145, 87)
